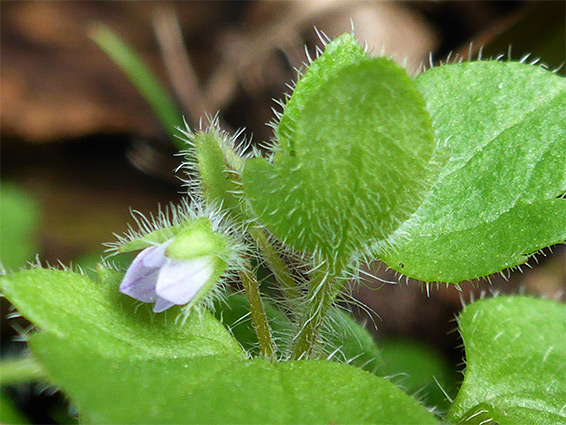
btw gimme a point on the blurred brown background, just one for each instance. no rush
(78, 137)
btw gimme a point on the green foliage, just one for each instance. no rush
(516, 362)
(19, 222)
(121, 364)
(9, 412)
(501, 129)
(72, 307)
(455, 175)
(359, 161)
(419, 370)
(346, 339)
(212, 389)
(214, 168)
(143, 79)
(341, 52)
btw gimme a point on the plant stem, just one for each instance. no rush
(323, 290)
(282, 274)
(259, 318)
(23, 369)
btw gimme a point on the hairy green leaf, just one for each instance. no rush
(341, 52)
(516, 362)
(501, 132)
(71, 306)
(358, 164)
(219, 390)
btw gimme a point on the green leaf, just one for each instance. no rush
(516, 362)
(19, 223)
(419, 370)
(349, 341)
(358, 165)
(9, 412)
(143, 79)
(502, 128)
(218, 390)
(71, 306)
(341, 52)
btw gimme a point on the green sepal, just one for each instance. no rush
(156, 237)
(198, 239)
(218, 166)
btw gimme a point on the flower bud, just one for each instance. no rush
(181, 270)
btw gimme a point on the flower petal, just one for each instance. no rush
(154, 256)
(179, 281)
(140, 280)
(162, 305)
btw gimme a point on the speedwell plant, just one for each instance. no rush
(453, 175)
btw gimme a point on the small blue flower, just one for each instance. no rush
(155, 278)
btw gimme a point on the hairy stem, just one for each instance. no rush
(259, 318)
(276, 264)
(23, 369)
(290, 288)
(323, 291)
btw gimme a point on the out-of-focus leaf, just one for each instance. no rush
(19, 221)
(419, 370)
(143, 79)
(9, 412)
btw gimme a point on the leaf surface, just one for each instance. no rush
(71, 306)
(501, 135)
(351, 166)
(516, 362)
(219, 390)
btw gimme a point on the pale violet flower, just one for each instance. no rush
(179, 271)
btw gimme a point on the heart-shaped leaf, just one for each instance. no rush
(502, 127)
(516, 363)
(351, 166)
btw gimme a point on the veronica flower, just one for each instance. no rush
(179, 271)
